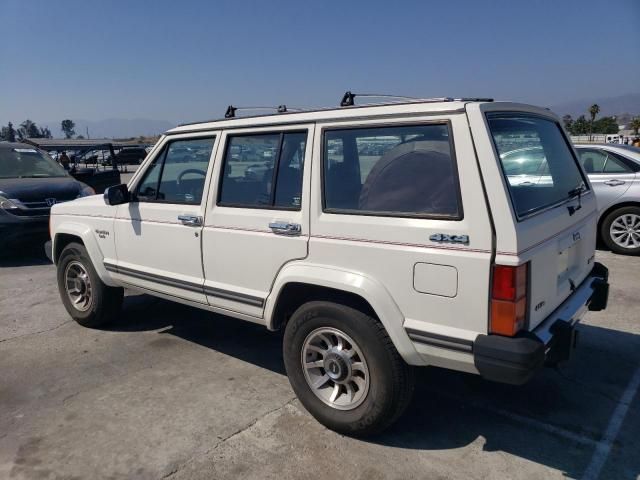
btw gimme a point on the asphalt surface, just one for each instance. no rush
(172, 392)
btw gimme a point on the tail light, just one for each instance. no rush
(509, 299)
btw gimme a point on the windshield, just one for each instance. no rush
(537, 162)
(28, 163)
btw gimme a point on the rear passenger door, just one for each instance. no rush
(402, 203)
(609, 177)
(258, 214)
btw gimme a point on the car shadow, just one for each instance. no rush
(555, 420)
(24, 255)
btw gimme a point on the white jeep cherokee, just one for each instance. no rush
(378, 237)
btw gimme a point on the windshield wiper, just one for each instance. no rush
(578, 191)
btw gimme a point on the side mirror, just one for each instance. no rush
(117, 195)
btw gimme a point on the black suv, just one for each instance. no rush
(31, 182)
(131, 156)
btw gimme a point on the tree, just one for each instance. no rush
(68, 128)
(45, 133)
(606, 125)
(593, 111)
(580, 126)
(568, 122)
(28, 129)
(10, 133)
(80, 137)
(633, 125)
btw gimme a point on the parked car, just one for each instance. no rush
(31, 182)
(130, 156)
(614, 174)
(422, 253)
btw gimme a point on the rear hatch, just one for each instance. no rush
(553, 210)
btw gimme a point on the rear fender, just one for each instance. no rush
(367, 288)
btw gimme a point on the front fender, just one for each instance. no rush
(84, 232)
(354, 282)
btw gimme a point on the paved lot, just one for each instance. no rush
(169, 391)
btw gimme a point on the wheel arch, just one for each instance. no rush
(68, 232)
(298, 284)
(613, 208)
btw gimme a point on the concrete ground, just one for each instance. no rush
(172, 392)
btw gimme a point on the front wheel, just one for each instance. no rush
(87, 299)
(344, 368)
(620, 230)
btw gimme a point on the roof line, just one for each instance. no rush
(328, 109)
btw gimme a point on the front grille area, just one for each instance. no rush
(32, 209)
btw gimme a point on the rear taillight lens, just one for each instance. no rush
(509, 299)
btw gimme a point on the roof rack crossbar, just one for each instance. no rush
(348, 99)
(231, 110)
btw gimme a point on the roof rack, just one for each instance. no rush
(348, 99)
(231, 110)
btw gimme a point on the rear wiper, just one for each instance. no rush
(573, 193)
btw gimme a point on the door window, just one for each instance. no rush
(399, 171)
(178, 173)
(614, 165)
(593, 161)
(600, 161)
(263, 171)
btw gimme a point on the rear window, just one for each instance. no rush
(536, 160)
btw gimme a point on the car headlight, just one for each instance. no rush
(8, 203)
(86, 191)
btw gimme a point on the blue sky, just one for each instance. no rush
(186, 60)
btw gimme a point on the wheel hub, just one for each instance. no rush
(336, 364)
(78, 286)
(335, 368)
(625, 230)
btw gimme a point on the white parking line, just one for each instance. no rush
(530, 422)
(613, 428)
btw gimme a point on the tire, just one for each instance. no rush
(375, 404)
(627, 216)
(104, 302)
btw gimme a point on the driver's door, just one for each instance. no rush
(158, 234)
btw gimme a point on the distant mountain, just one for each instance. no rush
(113, 127)
(629, 103)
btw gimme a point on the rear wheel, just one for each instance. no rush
(344, 368)
(620, 230)
(87, 299)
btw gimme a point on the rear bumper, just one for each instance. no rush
(516, 360)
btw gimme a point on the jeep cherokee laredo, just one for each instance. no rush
(378, 237)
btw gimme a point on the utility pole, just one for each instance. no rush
(88, 131)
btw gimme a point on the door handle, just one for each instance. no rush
(284, 228)
(615, 182)
(190, 220)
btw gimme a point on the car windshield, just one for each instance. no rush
(537, 162)
(28, 163)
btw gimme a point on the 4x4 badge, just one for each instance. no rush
(444, 238)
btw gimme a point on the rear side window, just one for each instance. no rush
(263, 171)
(536, 160)
(392, 171)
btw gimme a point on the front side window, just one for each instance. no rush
(263, 171)
(177, 174)
(536, 160)
(399, 171)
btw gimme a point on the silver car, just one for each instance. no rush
(614, 174)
